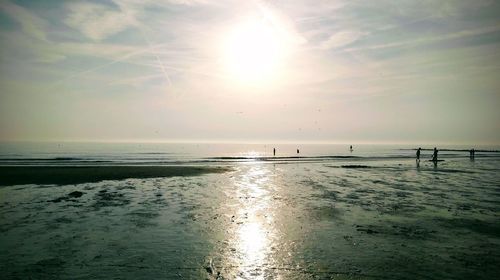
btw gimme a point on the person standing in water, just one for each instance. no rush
(418, 154)
(298, 152)
(274, 152)
(435, 155)
(350, 148)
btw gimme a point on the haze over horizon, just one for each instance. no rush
(253, 71)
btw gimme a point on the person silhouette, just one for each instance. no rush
(435, 155)
(350, 148)
(472, 153)
(418, 153)
(298, 152)
(274, 151)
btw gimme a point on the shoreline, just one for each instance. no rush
(66, 175)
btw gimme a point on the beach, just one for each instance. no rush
(250, 140)
(370, 215)
(63, 175)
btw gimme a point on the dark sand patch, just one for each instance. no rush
(72, 196)
(328, 213)
(328, 195)
(405, 231)
(143, 218)
(355, 166)
(487, 228)
(65, 175)
(104, 198)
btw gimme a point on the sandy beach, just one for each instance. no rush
(61, 175)
(337, 219)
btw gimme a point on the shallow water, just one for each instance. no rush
(377, 217)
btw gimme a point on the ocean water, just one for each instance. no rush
(326, 213)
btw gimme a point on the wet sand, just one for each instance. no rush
(60, 175)
(384, 220)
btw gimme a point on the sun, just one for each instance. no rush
(253, 52)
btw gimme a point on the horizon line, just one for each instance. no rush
(249, 142)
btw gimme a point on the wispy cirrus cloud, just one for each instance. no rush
(343, 51)
(31, 24)
(98, 21)
(341, 39)
(432, 39)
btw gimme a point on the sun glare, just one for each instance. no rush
(253, 52)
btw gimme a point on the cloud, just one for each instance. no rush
(341, 39)
(102, 50)
(31, 24)
(437, 38)
(47, 57)
(97, 21)
(188, 2)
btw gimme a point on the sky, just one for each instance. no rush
(254, 71)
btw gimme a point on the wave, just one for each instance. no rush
(279, 158)
(180, 160)
(455, 150)
(155, 153)
(40, 159)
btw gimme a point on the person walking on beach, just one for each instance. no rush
(274, 152)
(418, 154)
(435, 155)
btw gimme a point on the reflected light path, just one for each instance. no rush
(254, 232)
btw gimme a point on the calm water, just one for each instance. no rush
(158, 154)
(331, 214)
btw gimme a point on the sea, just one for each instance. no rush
(309, 211)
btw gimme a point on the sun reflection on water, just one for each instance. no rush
(254, 230)
(253, 241)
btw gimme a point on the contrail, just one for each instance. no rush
(150, 45)
(151, 48)
(155, 54)
(120, 59)
(155, 50)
